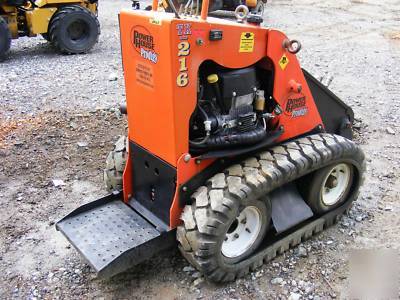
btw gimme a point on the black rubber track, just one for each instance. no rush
(57, 35)
(115, 165)
(253, 177)
(5, 39)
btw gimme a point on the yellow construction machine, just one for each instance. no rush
(70, 25)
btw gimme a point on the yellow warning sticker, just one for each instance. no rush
(283, 62)
(246, 42)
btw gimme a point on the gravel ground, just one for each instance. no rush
(59, 120)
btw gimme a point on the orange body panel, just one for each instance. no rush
(161, 81)
(282, 89)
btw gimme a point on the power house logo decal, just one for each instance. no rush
(143, 43)
(296, 105)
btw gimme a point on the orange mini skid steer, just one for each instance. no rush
(233, 150)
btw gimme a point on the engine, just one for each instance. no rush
(230, 110)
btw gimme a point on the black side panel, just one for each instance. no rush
(154, 181)
(336, 115)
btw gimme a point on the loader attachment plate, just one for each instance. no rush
(112, 236)
(336, 115)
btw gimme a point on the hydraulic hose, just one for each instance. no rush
(235, 139)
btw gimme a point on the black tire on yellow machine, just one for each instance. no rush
(46, 36)
(5, 39)
(74, 29)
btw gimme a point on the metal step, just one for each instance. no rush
(112, 236)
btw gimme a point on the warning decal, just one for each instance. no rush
(246, 42)
(144, 75)
(283, 62)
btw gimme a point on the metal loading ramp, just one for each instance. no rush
(112, 236)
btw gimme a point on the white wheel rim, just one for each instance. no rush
(335, 184)
(242, 233)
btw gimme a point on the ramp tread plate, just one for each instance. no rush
(105, 232)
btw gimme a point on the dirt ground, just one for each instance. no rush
(58, 120)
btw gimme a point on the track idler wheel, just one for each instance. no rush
(328, 188)
(5, 39)
(234, 202)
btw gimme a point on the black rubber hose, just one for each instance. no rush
(235, 139)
